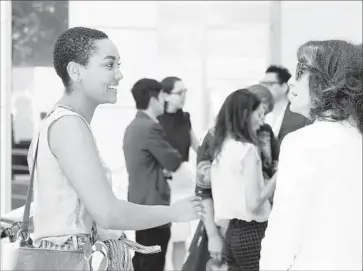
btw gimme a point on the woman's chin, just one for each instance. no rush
(299, 110)
(112, 100)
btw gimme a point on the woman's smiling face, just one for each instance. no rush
(100, 77)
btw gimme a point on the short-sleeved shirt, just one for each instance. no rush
(269, 154)
(177, 128)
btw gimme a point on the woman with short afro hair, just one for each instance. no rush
(72, 183)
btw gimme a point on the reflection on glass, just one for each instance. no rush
(35, 27)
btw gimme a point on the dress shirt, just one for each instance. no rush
(275, 119)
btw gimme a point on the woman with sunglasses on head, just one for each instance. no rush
(316, 222)
(179, 133)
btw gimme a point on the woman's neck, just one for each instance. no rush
(82, 106)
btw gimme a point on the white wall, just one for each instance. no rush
(308, 20)
(215, 47)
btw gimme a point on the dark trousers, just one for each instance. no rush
(151, 237)
(242, 245)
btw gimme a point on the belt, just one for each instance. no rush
(75, 242)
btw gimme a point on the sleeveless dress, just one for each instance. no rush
(58, 211)
(177, 127)
(61, 221)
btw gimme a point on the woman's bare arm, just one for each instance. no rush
(194, 141)
(209, 223)
(256, 194)
(72, 143)
(215, 240)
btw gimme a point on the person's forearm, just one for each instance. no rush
(267, 192)
(129, 216)
(209, 223)
(262, 196)
(223, 224)
(194, 141)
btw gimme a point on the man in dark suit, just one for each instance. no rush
(281, 119)
(148, 155)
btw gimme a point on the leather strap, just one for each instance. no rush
(26, 216)
(29, 197)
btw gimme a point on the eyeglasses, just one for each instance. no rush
(302, 68)
(180, 92)
(269, 83)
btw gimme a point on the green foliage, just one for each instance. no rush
(35, 28)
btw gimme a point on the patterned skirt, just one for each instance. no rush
(243, 245)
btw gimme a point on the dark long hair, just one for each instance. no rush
(335, 71)
(169, 83)
(234, 119)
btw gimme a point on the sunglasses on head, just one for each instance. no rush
(300, 70)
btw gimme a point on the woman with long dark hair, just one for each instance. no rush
(240, 192)
(207, 244)
(316, 222)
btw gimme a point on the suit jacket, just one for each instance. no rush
(291, 122)
(147, 153)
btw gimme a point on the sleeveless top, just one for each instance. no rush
(177, 128)
(58, 210)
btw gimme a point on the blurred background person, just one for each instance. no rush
(179, 133)
(147, 154)
(236, 171)
(208, 234)
(281, 119)
(268, 143)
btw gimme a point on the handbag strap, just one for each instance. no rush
(26, 216)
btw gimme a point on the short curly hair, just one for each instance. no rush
(282, 73)
(335, 79)
(75, 44)
(143, 90)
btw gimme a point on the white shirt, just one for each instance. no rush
(237, 164)
(275, 118)
(316, 220)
